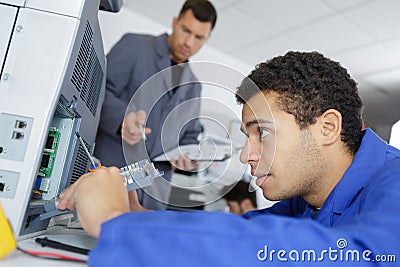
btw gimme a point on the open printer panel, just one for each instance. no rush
(52, 80)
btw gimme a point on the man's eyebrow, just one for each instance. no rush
(256, 122)
(186, 28)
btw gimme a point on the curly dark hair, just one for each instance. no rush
(203, 10)
(308, 84)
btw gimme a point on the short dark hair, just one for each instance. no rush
(203, 10)
(308, 84)
(241, 191)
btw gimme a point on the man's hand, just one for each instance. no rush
(97, 197)
(134, 204)
(184, 163)
(130, 128)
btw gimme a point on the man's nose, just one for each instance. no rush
(249, 153)
(243, 154)
(189, 41)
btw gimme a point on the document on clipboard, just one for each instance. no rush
(198, 152)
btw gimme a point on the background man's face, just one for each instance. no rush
(188, 36)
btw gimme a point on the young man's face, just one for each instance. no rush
(188, 36)
(286, 160)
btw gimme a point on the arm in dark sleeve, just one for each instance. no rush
(193, 127)
(120, 65)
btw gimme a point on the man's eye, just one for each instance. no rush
(264, 133)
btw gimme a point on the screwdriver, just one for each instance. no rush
(142, 132)
(93, 166)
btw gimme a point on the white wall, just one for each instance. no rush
(395, 135)
(114, 25)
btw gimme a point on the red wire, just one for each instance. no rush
(50, 254)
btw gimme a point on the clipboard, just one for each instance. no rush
(198, 152)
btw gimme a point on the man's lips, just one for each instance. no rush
(260, 179)
(183, 51)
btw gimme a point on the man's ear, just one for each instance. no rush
(331, 126)
(174, 21)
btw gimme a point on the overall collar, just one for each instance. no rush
(372, 150)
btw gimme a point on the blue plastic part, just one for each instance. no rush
(93, 168)
(38, 183)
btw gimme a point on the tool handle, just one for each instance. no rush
(95, 167)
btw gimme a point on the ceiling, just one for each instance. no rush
(363, 35)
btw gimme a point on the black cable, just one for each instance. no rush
(45, 242)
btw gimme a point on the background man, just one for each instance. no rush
(133, 60)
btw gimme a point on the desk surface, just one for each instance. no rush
(68, 236)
